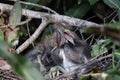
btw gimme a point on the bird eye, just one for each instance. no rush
(66, 46)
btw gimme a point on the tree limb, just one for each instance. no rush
(35, 35)
(54, 17)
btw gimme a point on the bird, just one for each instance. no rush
(74, 55)
(78, 57)
(100, 62)
(72, 50)
(77, 53)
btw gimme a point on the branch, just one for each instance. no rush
(21, 23)
(54, 17)
(35, 35)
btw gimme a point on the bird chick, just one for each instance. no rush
(74, 55)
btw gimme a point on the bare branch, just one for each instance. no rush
(54, 17)
(33, 37)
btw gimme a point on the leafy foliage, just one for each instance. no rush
(15, 18)
(15, 15)
(78, 11)
(1, 35)
(114, 4)
(100, 46)
(92, 2)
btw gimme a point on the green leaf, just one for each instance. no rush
(118, 13)
(20, 64)
(113, 74)
(99, 47)
(78, 11)
(44, 2)
(15, 15)
(117, 56)
(113, 3)
(1, 35)
(116, 77)
(113, 25)
(92, 2)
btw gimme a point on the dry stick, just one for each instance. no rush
(21, 23)
(40, 6)
(33, 37)
(28, 31)
(91, 42)
(54, 17)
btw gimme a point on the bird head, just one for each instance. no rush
(63, 34)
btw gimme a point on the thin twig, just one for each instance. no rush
(28, 30)
(104, 20)
(91, 42)
(21, 23)
(33, 37)
(81, 34)
(113, 19)
(40, 6)
(88, 38)
(90, 18)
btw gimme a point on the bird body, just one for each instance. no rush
(74, 55)
(67, 64)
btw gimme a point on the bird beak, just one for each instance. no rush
(64, 36)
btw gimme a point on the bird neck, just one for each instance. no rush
(67, 64)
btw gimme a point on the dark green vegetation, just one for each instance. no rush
(105, 12)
